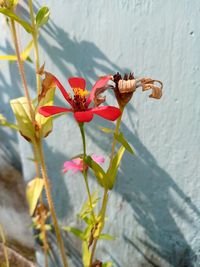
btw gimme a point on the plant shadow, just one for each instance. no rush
(149, 192)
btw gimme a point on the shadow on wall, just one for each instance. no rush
(151, 210)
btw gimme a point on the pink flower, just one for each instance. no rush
(78, 165)
(80, 103)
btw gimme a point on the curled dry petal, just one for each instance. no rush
(47, 84)
(128, 86)
(148, 83)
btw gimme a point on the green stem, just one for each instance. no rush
(50, 203)
(105, 197)
(118, 123)
(4, 246)
(21, 70)
(102, 214)
(81, 126)
(35, 43)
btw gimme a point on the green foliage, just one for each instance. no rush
(106, 130)
(5, 123)
(121, 139)
(106, 237)
(12, 15)
(112, 170)
(33, 192)
(9, 4)
(86, 209)
(98, 171)
(45, 123)
(77, 232)
(42, 16)
(21, 110)
(86, 254)
(107, 264)
(24, 54)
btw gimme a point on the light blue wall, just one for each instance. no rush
(154, 209)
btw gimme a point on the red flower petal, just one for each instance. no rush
(48, 111)
(100, 83)
(76, 82)
(107, 112)
(83, 116)
(63, 91)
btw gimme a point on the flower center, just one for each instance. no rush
(80, 99)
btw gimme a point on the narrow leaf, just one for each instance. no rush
(16, 18)
(5, 123)
(24, 54)
(120, 138)
(112, 171)
(86, 254)
(98, 171)
(106, 130)
(33, 191)
(42, 16)
(107, 264)
(77, 232)
(86, 209)
(106, 237)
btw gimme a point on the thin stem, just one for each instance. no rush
(45, 245)
(35, 43)
(21, 70)
(4, 246)
(102, 214)
(116, 132)
(81, 126)
(51, 205)
(105, 197)
(36, 159)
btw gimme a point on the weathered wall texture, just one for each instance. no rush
(154, 210)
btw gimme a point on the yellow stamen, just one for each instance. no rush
(80, 92)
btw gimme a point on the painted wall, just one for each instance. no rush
(154, 209)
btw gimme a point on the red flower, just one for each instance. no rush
(80, 103)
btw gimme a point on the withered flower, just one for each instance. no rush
(125, 87)
(155, 85)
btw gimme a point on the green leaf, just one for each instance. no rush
(86, 209)
(78, 156)
(5, 123)
(77, 232)
(45, 123)
(106, 237)
(86, 254)
(106, 130)
(98, 171)
(120, 138)
(24, 54)
(112, 171)
(107, 264)
(42, 16)
(20, 108)
(33, 191)
(16, 18)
